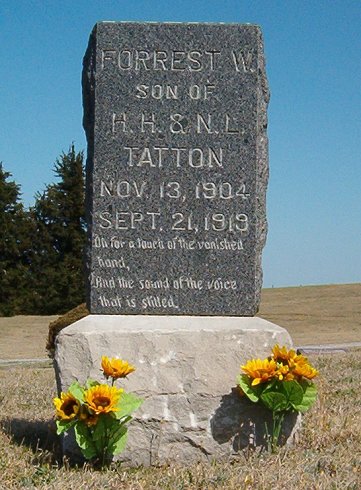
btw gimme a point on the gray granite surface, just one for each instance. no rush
(177, 169)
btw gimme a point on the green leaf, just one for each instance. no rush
(99, 429)
(118, 440)
(127, 404)
(125, 419)
(77, 391)
(90, 383)
(309, 396)
(252, 392)
(83, 437)
(104, 426)
(64, 425)
(274, 401)
(293, 392)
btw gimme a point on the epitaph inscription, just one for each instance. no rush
(177, 168)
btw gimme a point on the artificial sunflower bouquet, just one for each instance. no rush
(98, 412)
(282, 383)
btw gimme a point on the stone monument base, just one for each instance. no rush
(186, 370)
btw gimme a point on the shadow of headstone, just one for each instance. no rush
(243, 423)
(38, 435)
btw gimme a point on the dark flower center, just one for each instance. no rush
(101, 401)
(68, 407)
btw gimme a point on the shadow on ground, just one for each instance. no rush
(38, 435)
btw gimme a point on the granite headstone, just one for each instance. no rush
(175, 116)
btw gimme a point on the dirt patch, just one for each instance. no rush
(311, 314)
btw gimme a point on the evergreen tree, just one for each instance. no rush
(15, 227)
(58, 242)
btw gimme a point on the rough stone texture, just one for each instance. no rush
(186, 371)
(177, 168)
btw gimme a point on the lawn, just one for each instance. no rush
(326, 455)
(311, 314)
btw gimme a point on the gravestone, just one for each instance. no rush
(177, 169)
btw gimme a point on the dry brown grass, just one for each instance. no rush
(24, 337)
(326, 456)
(63, 321)
(312, 314)
(315, 314)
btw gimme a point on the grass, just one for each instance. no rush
(315, 314)
(311, 314)
(327, 454)
(24, 337)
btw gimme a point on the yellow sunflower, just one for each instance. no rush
(260, 371)
(299, 359)
(102, 398)
(67, 407)
(116, 368)
(282, 354)
(303, 369)
(283, 373)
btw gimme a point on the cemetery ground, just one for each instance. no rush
(326, 454)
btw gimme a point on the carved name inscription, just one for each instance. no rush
(177, 168)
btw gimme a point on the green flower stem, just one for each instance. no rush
(274, 435)
(105, 440)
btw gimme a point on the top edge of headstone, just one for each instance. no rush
(150, 22)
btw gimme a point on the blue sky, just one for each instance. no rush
(313, 65)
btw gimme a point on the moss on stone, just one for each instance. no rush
(63, 321)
